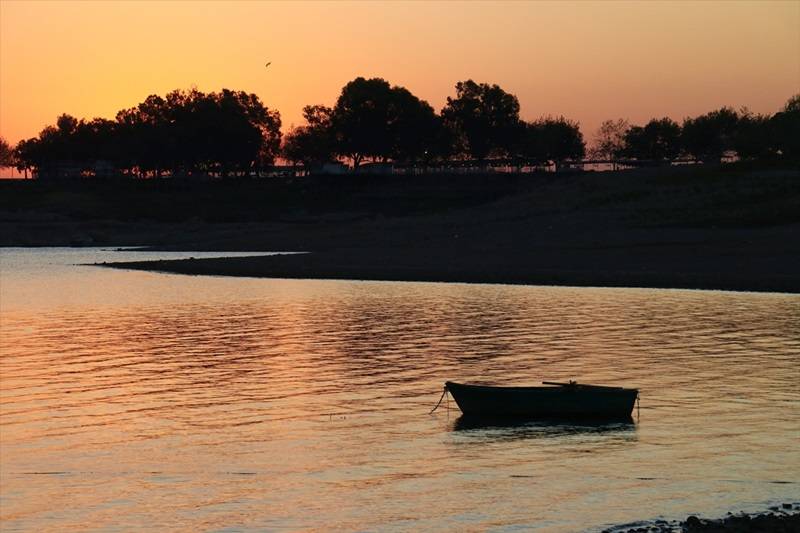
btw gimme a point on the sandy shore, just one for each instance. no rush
(691, 265)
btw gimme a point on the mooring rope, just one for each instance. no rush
(444, 391)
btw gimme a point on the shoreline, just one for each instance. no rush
(405, 266)
(783, 518)
(711, 228)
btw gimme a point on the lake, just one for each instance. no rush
(135, 399)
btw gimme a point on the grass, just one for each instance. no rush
(730, 195)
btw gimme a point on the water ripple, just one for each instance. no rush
(205, 403)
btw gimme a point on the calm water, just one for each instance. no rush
(204, 403)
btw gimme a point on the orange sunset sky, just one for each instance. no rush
(589, 61)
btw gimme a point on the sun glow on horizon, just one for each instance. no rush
(586, 61)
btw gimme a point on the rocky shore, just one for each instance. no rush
(784, 518)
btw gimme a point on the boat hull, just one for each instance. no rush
(572, 401)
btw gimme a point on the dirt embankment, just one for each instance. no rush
(717, 228)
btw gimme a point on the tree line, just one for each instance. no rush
(184, 133)
(232, 133)
(374, 121)
(707, 137)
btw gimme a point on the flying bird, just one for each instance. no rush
(268, 64)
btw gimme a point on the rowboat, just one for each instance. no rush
(558, 400)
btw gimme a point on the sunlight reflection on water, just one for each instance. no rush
(177, 402)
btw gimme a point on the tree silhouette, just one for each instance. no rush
(313, 144)
(753, 138)
(7, 158)
(658, 140)
(184, 133)
(28, 154)
(610, 139)
(530, 148)
(785, 129)
(709, 136)
(232, 133)
(415, 128)
(362, 119)
(57, 148)
(792, 104)
(484, 118)
(554, 139)
(374, 120)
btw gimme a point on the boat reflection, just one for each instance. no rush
(507, 429)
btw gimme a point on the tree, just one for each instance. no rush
(709, 136)
(610, 139)
(552, 139)
(373, 119)
(265, 120)
(245, 133)
(658, 140)
(785, 129)
(28, 155)
(145, 132)
(7, 158)
(753, 138)
(792, 104)
(56, 151)
(191, 131)
(362, 120)
(313, 144)
(444, 144)
(484, 118)
(183, 133)
(530, 148)
(415, 127)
